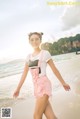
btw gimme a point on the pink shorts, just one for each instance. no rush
(42, 86)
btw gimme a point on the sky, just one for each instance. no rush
(20, 17)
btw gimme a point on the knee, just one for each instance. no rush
(36, 115)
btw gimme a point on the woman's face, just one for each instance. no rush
(35, 41)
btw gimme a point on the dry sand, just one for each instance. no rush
(66, 105)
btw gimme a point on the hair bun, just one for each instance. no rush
(29, 33)
(41, 33)
(38, 33)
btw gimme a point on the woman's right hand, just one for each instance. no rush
(16, 93)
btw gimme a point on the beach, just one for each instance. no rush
(66, 104)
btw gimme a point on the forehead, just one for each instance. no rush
(34, 36)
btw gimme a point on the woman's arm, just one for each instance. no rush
(23, 77)
(58, 75)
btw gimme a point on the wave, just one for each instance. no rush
(11, 68)
(16, 66)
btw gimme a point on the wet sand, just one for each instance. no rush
(66, 105)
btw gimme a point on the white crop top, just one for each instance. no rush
(46, 56)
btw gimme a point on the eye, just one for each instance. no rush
(36, 39)
(31, 39)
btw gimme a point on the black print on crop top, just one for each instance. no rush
(34, 64)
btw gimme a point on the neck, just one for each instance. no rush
(37, 49)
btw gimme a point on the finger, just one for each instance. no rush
(14, 96)
(66, 88)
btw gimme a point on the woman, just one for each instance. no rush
(37, 62)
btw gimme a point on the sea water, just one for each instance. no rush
(11, 71)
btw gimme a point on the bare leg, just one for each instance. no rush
(49, 112)
(41, 104)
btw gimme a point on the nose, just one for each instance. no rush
(34, 40)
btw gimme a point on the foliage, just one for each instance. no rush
(63, 45)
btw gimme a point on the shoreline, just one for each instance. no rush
(7, 60)
(66, 105)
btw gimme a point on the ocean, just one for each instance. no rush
(11, 71)
(16, 66)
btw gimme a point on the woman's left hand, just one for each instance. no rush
(66, 86)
